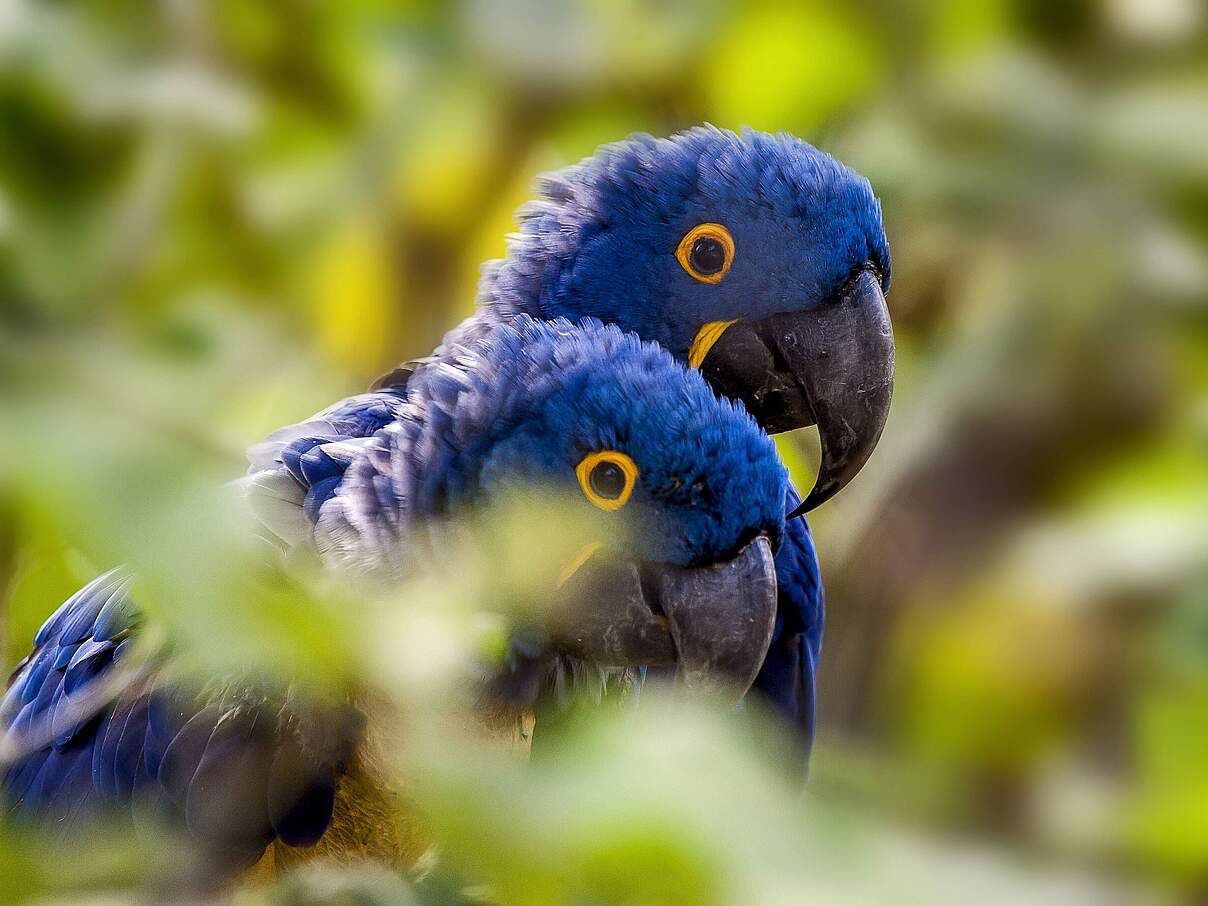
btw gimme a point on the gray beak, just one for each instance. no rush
(831, 365)
(714, 623)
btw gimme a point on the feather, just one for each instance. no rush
(236, 758)
(128, 759)
(184, 753)
(276, 498)
(301, 796)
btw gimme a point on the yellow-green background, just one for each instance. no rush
(216, 217)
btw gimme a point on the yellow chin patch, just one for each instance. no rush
(577, 563)
(709, 334)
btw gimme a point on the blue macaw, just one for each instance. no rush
(583, 410)
(759, 260)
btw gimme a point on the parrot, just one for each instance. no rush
(753, 257)
(581, 410)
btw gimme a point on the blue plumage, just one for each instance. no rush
(601, 242)
(92, 741)
(505, 399)
(786, 679)
(520, 405)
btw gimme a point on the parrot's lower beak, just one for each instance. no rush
(714, 623)
(831, 365)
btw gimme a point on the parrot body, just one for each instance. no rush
(602, 242)
(361, 484)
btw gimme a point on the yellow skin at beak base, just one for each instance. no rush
(709, 334)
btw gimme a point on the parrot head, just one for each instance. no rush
(683, 492)
(754, 258)
(618, 426)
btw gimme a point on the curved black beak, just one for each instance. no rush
(714, 623)
(831, 365)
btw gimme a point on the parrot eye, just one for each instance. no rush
(706, 252)
(607, 478)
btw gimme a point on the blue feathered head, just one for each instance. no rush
(756, 258)
(624, 428)
(603, 241)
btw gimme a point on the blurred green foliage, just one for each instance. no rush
(216, 217)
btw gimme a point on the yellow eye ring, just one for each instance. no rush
(709, 261)
(607, 478)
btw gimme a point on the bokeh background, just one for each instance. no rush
(218, 216)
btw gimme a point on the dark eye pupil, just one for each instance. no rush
(708, 255)
(608, 480)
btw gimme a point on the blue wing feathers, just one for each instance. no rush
(18, 778)
(207, 764)
(234, 757)
(104, 750)
(164, 720)
(90, 658)
(184, 753)
(64, 657)
(299, 817)
(123, 766)
(116, 617)
(318, 495)
(80, 619)
(787, 678)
